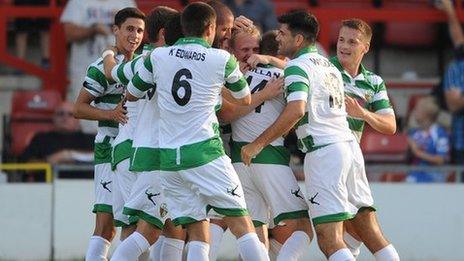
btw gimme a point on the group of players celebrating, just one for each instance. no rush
(161, 170)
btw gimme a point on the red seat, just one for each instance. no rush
(32, 112)
(409, 34)
(36, 104)
(380, 148)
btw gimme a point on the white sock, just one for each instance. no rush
(172, 249)
(274, 248)
(343, 254)
(145, 256)
(215, 233)
(250, 248)
(387, 253)
(131, 248)
(155, 252)
(352, 243)
(198, 251)
(98, 249)
(294, 246)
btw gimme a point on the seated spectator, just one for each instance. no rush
(453, 82)
(66, 143)
(429, 142)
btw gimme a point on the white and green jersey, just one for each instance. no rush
(370, 92)
(107, 96)
(122, 145)
(188, 77)
(313, 78)
(145, 136)
(247, 128)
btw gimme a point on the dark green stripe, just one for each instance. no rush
(144, 216)
(145, 159)
(192, 155)
(147, 63)
(95, 74)
(121, 75)
(295, 70)
(332, 218)
(380, 104)
(102, 208)
(121, 152)
(111, 124)
(109, 98)
(291, 215)
(140, 84)
(102, 153)
(355, 124)
(303, 120)
(229, 212)
(278, 155)
(183, 221)
(238, 85)
(231, 65)
(297, 87)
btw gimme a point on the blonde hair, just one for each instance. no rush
(251, 30)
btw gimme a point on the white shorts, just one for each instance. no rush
(336, 182)
(104, 187)
(191, 193)
(146, 200)
(123, 182)
(271, 189)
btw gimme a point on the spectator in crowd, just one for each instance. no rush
(261, 12)
(66, 143)
(429, 142)
(25, 26)
(87, 26)
(453, 82)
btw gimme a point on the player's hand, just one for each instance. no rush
(242, 22)
(353, 108)
(256, 59)
(249, 152)
(100, 28)
(119, 114)
(244, 67)
(273, 88)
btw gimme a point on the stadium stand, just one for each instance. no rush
(32, 111)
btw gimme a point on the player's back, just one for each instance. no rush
(189, 76)
(325, 120)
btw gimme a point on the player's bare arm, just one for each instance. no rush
(230, 112)
(383, 123)
(292, 113)
(109, 62)
(256, 59)
(83, 110)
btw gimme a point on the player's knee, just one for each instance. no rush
(219, 222)
(198, 231)
(239, 226)
(329, 239)
(172, 231)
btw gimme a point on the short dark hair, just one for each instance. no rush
(222, 11)
(173, 30)
(196, 17)
(157, 19)
(269, 44)
(359, 25)
(301, 22)
(128, 12)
